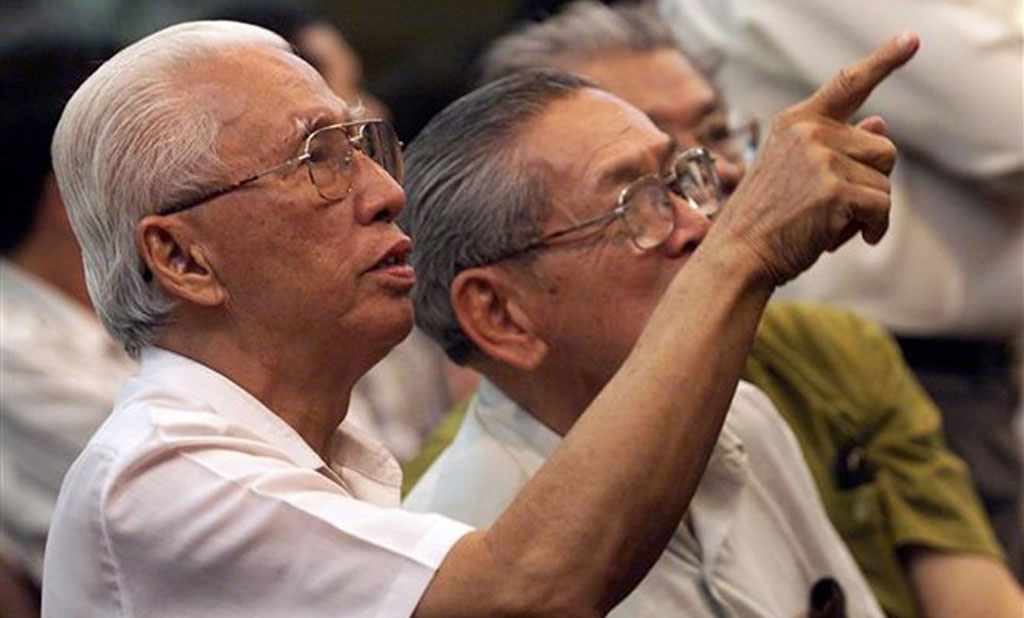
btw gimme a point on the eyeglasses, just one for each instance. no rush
(329, 156)
(736, 141)
(645, 206)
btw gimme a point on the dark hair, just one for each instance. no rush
(37, 77)
(471, 196)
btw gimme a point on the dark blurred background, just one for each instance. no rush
(417, 56)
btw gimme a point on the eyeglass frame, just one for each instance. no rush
(291, 163)
(622, 207)
(747, 129)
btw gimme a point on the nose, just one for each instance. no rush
(377, 196)
(730, 172)
(691, 228)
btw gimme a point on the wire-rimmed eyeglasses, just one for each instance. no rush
(329, 154)
(645, 206)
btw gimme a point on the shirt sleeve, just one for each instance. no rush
(206, 530)
(924, 487)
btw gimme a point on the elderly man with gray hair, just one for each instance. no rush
(548, 309)
(872, 439)
(237, 224)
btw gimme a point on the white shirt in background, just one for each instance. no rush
(952, 264)
(59, 375)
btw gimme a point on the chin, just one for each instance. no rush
(393, 325)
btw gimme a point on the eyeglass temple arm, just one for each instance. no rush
(170, 210)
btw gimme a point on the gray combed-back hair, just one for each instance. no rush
(582, 31)
(131, 140)
(471, 197)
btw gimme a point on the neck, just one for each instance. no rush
(312, 397)
(57, 261)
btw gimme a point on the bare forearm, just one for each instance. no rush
(958, 585)
(643, 442)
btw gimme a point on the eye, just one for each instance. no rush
(717, 133)
(347, 160)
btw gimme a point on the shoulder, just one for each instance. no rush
(476, 477)
(819, 329)
(824, 353)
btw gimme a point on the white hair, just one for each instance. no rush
(131, 140)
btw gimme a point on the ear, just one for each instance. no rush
(491, 313)
(178, 263)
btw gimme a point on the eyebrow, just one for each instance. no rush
(709, 109)
(630, 169)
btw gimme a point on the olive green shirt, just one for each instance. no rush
(872, 439)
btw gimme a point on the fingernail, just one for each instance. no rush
(907, 40)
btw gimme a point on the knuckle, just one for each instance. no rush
(889, 155)
(825, 158)
(809, 130)
(831, 187)
(846, 81)
(885, 185)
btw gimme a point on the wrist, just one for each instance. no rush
(736, 260)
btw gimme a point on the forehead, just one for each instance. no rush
(660, 82)
(263, 97)
(580, 139)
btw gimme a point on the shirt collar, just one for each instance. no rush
(357, 459)
(196, 381)
(506, 418)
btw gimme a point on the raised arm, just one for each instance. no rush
(595, 517)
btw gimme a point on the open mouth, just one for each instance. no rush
(396, 257)
(392, 259)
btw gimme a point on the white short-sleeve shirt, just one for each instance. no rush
(759, 540)
(194, 499)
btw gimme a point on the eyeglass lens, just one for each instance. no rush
(332, 156)
(695, 178)
(648, 213)
(647, 210)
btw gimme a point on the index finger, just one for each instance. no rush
(840, 97)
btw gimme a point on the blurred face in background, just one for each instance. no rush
(677, 97)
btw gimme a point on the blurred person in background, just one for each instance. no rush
(871, 437)
(948, 280)
(59, 370)
(403, 397)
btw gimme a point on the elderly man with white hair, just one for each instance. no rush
(237, 225)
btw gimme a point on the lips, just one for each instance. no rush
(392, 270)
(396, 256)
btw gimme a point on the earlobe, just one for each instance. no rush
(491, 316)
(178, 264)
